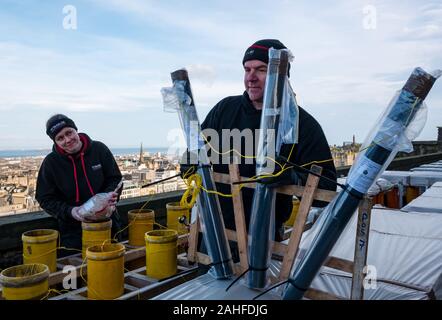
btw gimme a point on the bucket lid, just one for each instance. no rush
(24, 275)
(175, 206)
(144, 214)
(161, 236)
(97, 226)
(39, 236)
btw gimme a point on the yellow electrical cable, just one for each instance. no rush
(192, 190)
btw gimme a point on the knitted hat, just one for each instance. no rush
(260, 51)
(56, 123)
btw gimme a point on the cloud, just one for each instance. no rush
(117, 63)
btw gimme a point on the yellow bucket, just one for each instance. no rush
(174, 212)
(161, 253)
(105, 271)
(95, 233)
(40, 246)
(140, 222)
(25, 282)
(411, 193)
(291, 221)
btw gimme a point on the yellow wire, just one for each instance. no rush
(191, 190)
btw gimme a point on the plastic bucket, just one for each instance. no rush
(291, 221)
(40, 246)
(105, 271)
(392, 198)
(161, 253)
(94, 234)
(174, 212)
(25, 282)
(140, 222)
(411, 193)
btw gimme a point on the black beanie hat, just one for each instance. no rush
(56, 123)
(260, 50)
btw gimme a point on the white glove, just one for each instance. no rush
(76, 215)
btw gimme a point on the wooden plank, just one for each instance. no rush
(134, 254)
(361, 249)
(57, 277)
(339, 264)
(240, 220)
(278, 248)
(301, 217)
(314, 294)
(320, 194)
(221, 177)
(193, 241)
(134, 281)
(203, 258)
(160, 287)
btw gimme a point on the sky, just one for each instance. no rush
(104, 62)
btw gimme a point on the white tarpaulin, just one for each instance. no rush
(404, 252)
(395, 177)
(424, 178)
(429, 201)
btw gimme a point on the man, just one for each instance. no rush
(244, 112)
(77, 169)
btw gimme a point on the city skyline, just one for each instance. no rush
(106, 74)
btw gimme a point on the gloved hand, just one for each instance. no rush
(76, 215)
(288, 176)
(188, 164)
(103, 214)
(113, 198)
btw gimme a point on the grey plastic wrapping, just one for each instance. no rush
(390, 135)
(179, 98)
(175, 99)
(279, 120)
(96, 208)
(380, 185)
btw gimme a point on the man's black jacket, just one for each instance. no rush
(237, 112)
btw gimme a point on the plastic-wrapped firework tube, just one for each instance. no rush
(212, 222)
(394, 133)
(261, 229)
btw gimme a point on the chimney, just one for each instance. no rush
(439, 135)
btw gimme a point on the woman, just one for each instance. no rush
(76, 169)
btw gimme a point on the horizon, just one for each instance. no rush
(103, 62)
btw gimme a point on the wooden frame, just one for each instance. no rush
(287, 252)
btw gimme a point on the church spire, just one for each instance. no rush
(141, 154)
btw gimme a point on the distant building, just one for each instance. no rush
(346, 154)
(425, 147)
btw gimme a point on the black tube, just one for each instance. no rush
(340, 210)
(209, 207)
(264, 197)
